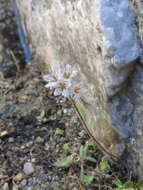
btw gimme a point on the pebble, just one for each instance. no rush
(28, 168)
(24, 182)
(11, 139)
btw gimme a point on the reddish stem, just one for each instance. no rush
(89, 133)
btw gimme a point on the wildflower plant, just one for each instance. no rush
(64, 82)
(81, 157)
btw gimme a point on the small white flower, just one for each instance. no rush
(52, 81)
(69, 73)
(63, 88)
(63, 82)
(51, 85)
(48, 78)
(78, 91)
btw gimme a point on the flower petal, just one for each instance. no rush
(57, 92)
(66, 93)
(47, 78)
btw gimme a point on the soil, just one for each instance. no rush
(38, 128)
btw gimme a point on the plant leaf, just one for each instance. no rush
(92, 143)
(66, 146)
(117, 182)
(64, 162)
(104, 165)
(85, 178)
(90, 159)
(59, 132)
(82, 110)
(129, 184)
(140, 184)
(81, 151)
(85, 149)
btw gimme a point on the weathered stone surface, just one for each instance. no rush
(91, 28)
(99, 38)
(138, 8)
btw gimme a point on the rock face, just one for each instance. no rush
(99, 38)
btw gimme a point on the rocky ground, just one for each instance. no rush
(37, 129)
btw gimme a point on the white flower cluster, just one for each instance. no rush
(63, 82)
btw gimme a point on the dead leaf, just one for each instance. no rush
(3, 133)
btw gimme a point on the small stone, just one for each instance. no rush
(11, 139)
(28, 168)
(82, 133)
(23, 183)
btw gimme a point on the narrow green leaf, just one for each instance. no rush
(88, 179)
(64, 162)
(66, 146)
(117, 182)
(104, 165)
(84, 178)
(82, 110)
(81, 151)
(90, 123)
(81, 172)
(129, 184)
(85, 149)
(90, 159)
(59, 132)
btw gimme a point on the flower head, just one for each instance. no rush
(63, 82)
(78, 90)
(69, 72)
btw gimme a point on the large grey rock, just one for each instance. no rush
(99, 38)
